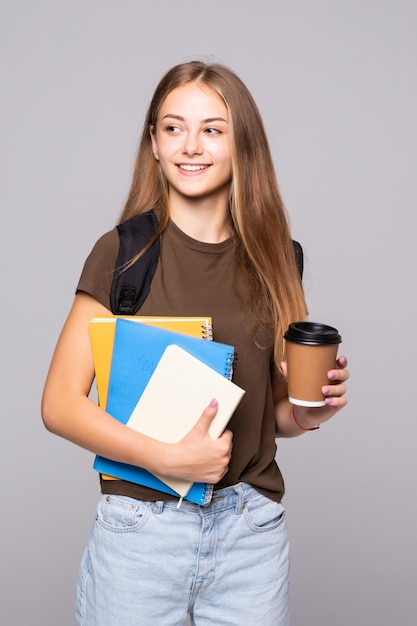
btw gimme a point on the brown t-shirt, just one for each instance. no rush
(195, 278)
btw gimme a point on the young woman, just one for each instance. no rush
(205, 167)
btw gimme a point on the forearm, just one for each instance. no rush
(82, 422)
(197, 457)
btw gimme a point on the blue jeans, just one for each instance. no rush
(151, 563)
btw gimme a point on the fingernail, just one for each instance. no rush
(325, 390)
(213, 403)
(332, 375)
(329, 400)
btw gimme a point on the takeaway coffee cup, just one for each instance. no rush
(311, 351)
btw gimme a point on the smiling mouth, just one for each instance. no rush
(192, 168)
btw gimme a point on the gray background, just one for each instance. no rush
(336, 83)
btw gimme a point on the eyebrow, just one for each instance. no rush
(206, 121)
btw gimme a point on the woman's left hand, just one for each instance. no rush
(334, 394)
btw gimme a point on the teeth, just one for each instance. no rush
(192, 168)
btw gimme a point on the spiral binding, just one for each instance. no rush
(228, 372)
(207, 332)
(207, 494)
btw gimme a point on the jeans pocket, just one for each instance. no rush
(121, 513)
(263, 514)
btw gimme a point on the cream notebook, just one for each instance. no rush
(179, 390)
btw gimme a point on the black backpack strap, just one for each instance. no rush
(299, 257)
(131, 286)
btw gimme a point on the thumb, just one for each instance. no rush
(207, 417)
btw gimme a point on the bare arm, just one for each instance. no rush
(68, 412)
(310, 417)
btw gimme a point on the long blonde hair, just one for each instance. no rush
(265, 260)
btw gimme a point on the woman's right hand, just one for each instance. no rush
(199, 457)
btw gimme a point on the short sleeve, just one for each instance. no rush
(97, 274)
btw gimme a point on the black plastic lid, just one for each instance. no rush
(312, 333)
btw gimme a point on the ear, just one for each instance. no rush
(154, 143)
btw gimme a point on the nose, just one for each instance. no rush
(192, 143)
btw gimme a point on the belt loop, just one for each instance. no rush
(158, 506)
(240, 502)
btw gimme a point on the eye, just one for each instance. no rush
(213, 131)
(171, 128)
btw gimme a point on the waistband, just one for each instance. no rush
(233, 497)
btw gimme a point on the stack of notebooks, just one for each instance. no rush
(157, 375)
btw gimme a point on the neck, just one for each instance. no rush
(205, 220)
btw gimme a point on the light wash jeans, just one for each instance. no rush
(151, 563)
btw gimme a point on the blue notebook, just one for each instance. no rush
(137, 351)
